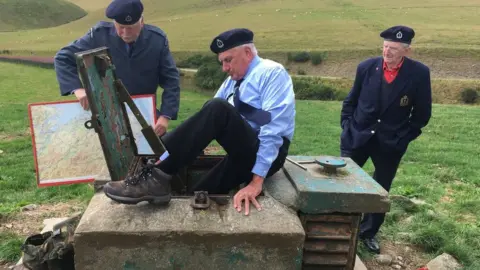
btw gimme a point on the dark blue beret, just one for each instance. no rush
(398, 33)
(125, 11)
(230, 39)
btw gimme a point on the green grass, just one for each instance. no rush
(281, 25)
(9, 246)
(441, 167)
(32, 14)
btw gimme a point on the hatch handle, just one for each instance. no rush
(200, 200)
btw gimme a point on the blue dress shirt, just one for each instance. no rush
(268, 88)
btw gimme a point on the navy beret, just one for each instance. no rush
(125, 11)
(231, 39)
(398, 33)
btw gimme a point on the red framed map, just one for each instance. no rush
(65, 151)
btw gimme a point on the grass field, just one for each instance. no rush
(441, 167)
(282, 24)
(33, 14)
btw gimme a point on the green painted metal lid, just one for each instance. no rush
(327, 184)
(109, 117)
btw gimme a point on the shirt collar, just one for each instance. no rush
(255, 61)
(395, 68)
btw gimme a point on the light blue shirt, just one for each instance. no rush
(267, 86)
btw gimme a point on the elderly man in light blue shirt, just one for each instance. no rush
(252, 116)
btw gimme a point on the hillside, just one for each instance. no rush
(447, 32)
(284, 24)
(31, 14)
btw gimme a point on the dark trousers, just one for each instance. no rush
(386, 164)
(220, 121)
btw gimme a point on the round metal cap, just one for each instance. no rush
(331, 162)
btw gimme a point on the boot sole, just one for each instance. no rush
(156, 200)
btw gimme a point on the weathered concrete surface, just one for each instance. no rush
(281, 189)
(350, 190)
(115, 236)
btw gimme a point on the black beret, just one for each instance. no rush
(125, 11)
(398, 33)
(231, 39)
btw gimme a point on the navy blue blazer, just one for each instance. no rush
(397, 119)
(149, 65)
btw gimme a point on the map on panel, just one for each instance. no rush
(66, 152)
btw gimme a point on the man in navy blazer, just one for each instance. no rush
(388, 105)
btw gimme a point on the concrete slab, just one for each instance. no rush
(116, 236)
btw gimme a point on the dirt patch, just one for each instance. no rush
(4, 266)
(447, 197)
(30, 222)
(213, 150)
(32, 59)
(11, 137)
(412, 257)
(467, 219)
(441, 68)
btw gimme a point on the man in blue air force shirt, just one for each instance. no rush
(252, 116)
(140, 53)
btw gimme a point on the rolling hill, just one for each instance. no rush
(281, 24)
(32, 14)
(447, 32)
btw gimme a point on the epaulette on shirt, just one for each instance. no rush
(158, 31)
(154, 29)
(102, 25)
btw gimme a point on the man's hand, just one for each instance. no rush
(82, 97)
(247, 194)
(161, 125)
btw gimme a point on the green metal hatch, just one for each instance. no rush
(107, 97)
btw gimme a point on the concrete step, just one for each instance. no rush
(116, 236)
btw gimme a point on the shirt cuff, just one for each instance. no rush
(260, 169)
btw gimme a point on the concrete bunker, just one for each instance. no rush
(310, 217)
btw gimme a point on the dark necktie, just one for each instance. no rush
(251, 113)
(236, 95)
(129, 47)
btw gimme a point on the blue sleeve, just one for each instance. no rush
(350, 102)
(169, 80)
(66, 65)
(422, 107)
(278, 99)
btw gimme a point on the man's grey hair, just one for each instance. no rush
(252, 48)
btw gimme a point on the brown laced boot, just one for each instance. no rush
(150, 184)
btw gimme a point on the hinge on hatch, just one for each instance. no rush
(200, 200)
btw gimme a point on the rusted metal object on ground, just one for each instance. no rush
(310, 217)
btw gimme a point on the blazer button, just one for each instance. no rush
(379, 120)
(373, 131)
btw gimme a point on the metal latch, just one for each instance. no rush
(200, 200)
(330, 164)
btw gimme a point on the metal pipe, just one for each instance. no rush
(296, 163)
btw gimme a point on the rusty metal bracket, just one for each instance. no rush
(200, 200)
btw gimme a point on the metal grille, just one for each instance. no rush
(331, 241)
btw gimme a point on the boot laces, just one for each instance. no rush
(141, 175)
